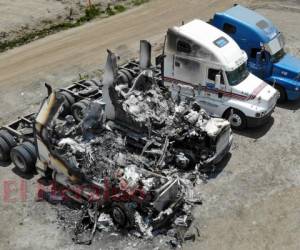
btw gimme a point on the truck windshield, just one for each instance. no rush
(276, 48)
(278, 56)
(238, 75)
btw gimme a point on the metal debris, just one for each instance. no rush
(134, 157)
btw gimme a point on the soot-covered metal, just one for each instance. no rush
(135, 154)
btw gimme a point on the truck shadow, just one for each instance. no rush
(290, 105)
(218, 168)
(16, 171)
(256, 133)
(4, 164)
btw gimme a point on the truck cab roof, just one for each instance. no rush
(247, 23)
(210, 42)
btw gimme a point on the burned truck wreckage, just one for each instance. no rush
(136, 151)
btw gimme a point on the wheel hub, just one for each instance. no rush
(19, 162)
(79, 113)
(1, 154)
(235, 120)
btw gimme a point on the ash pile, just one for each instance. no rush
(140, 151)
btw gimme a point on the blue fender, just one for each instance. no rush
(291, 87)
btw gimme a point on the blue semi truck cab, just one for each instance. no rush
(264, 45)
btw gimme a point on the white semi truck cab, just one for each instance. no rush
(204, 63)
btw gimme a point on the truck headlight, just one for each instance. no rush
(260, 114)
(297, 89)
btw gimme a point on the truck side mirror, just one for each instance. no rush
(217, 79)
(258, 57)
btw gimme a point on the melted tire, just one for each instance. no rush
(122, 215)
(78, 109)
(69, 101)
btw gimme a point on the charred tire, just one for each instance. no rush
(236, 118)
(8, 138)
(31, 149)
(123, 77)
(4, 150)
(122, 215)
(7, 142)
(69, 101)
(89, 92)
(90, 83)
(282, 97)
(78, 109)
(126, 77)
(23, 158)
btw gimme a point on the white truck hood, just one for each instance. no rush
(256, 91)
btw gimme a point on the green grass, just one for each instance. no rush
(119, 8)
(139, 2)
(90, 13)
(112, 10)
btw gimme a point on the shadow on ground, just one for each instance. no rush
(218, 168)
(256, 133)
(22, 175)
(4, 164)
(290, 105)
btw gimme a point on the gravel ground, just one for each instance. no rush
(253, 203)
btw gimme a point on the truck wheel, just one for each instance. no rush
(282, 93)
(7, 142)
(8, 138)
(237, 119)
(78, 109)
(122, 215)
(69, 101)
(31, 149)
(23, 159)
(4, 150)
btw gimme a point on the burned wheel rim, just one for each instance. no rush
(79, 113)
(119, 216)
(79, 109)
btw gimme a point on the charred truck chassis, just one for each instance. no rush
(17, 142)
(168, 134)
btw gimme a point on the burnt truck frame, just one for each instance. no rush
(34, 151)
(77, 97)
(17, 137)
(123, 75)
(121, 203)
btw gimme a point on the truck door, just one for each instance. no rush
(214, 91)
(258, 63)
(187, 74)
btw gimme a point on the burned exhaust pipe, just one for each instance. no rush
(145, 54)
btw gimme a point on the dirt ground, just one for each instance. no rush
(20, 17)
(253, 203)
